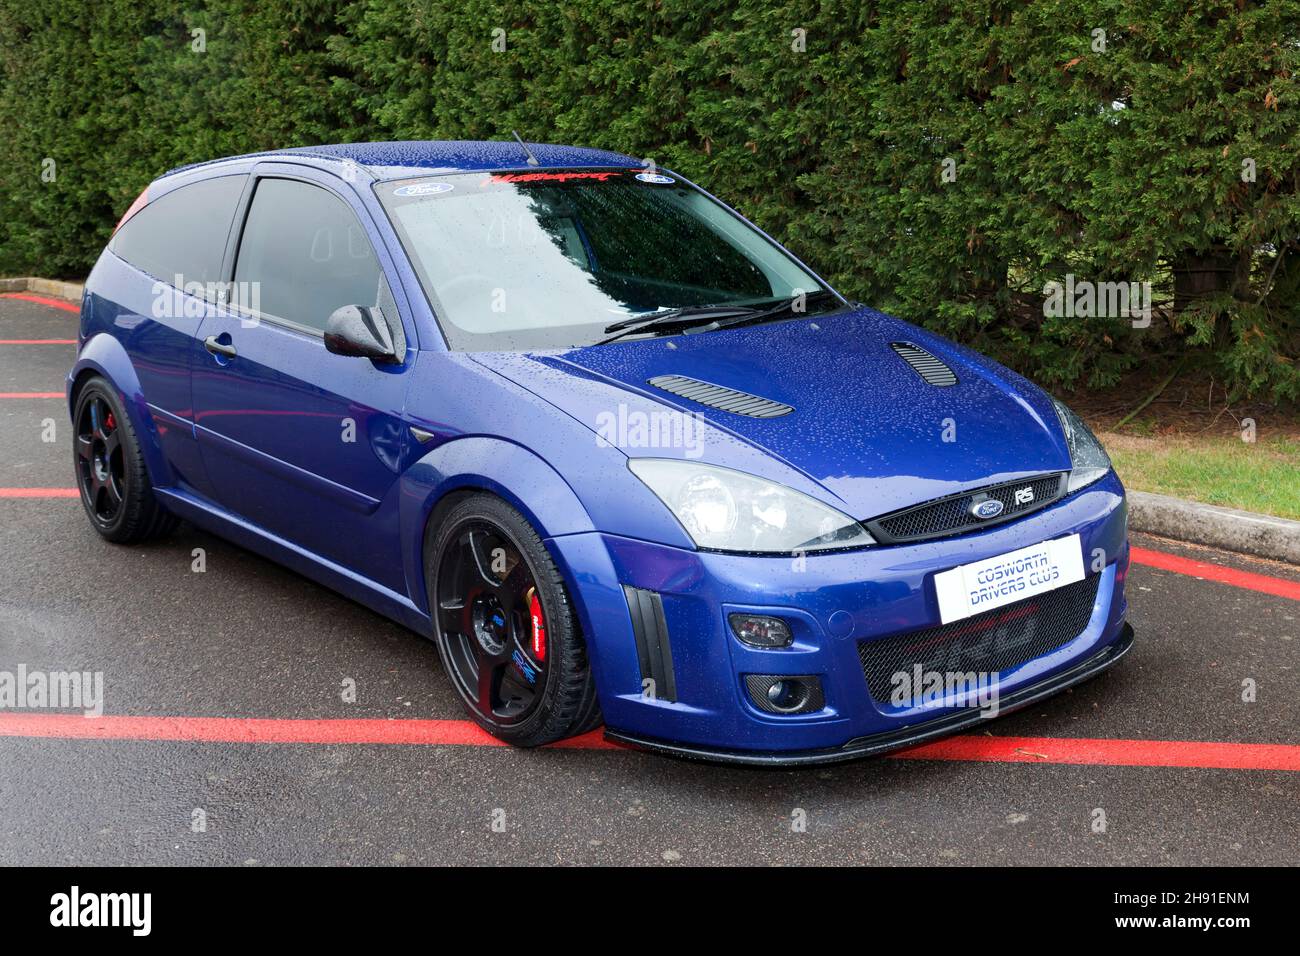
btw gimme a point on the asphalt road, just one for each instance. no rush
(247, 639)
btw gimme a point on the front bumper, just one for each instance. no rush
(893, 740)
(833, 603)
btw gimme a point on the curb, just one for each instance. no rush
(64, 290)
(1242, 531)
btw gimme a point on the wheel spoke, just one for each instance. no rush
(514, 586)
(84, 447)
(111, 444)
(451, 616)
(482, 559)
(489, 683)
(113, 491)
(462, 660)
(512, 694)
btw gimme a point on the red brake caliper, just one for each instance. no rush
(539, 626)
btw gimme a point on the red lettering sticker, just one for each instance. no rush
(561, 177)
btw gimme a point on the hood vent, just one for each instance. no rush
(726, 399)
(926, 365)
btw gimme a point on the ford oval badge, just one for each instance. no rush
(988, 508)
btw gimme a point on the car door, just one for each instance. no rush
(301, 442)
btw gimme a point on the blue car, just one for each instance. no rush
(620, 454)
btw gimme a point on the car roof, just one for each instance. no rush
(399, 159)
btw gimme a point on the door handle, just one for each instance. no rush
(219, 348)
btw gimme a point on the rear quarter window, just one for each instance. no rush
(183, 233)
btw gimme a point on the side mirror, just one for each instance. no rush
(360, 331)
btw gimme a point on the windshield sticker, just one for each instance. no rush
(423, 189)
(548, 177)
(654, 178)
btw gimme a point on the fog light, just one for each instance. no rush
(759, 630)
(779, 694)
(786, 695)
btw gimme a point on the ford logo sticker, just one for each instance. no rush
(988, 508)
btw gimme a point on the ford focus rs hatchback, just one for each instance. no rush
(622, 456)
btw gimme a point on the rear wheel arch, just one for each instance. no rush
(110, 468)
(104, 356)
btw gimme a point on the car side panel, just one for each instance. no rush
(136, 331)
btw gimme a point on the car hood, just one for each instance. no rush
(865, 426)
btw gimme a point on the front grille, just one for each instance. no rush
(952, 515)
(993, 642)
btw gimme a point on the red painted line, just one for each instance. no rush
(38, 341)
(260, 730)
(1111, 753)
(39, 493)
(464, 733)
(1217, 572)
(42, 300)
(31, 394)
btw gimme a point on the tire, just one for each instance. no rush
(563, 697)
(110, 469)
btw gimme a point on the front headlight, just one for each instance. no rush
(1088, 459)
(726, 510)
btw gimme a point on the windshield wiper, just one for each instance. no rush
(779, 309)
(708, 318)
(685, 316)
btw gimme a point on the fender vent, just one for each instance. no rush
(715, 396)
(927, 366)
(653, 651)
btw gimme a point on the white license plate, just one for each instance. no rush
(984, 585)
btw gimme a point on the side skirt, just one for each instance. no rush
(211, 517)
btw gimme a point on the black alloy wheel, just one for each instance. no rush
(504, 624)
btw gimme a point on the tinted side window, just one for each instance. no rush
(182, 233)
(308, 253)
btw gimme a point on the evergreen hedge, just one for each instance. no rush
(942, 161)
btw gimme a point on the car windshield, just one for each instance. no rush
(553, 258)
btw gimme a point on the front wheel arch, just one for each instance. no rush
(482, 465)
(78, 383)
